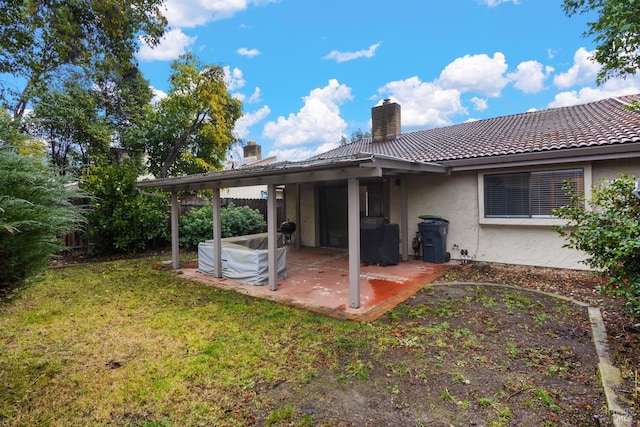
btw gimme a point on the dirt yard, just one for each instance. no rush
(478, 355)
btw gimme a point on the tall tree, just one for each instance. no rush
(616, 33)
(123, 97)
(11, 136)
(38, 38)
(191, 130)
(67, 119)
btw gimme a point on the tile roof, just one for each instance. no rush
(601, 123)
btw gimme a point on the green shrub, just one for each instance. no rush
(197, 225)
(35, 208)
(609, 232)
(121, 219)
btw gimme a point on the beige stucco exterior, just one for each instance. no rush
(458, 198)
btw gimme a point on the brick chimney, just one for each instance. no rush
(252, 152)
(385, 121)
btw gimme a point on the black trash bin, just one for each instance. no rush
(434, 240)
(379, 241)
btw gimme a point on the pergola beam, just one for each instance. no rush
(208, 182)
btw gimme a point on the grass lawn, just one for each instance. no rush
(118, 343)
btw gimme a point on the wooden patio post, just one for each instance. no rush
(175, 238)
(299, 236)
(404, 219)
(272, 243)
(353, 195)
(217, 234)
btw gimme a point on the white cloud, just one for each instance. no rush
(241, 129)
(530, 77)
(423, 103)
(479, 104)
(173, 44)
(233, 78)
(192, 13)
(250, 53)
(318, 121)
(476, 73)
(494, 3)
(256, 96)
(157, 95)
(294, 154)
(583, 71)
(301, 153)
(610, 89)
(349, 56)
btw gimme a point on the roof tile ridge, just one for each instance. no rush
(620, 99)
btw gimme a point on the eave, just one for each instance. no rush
(362, 166)
(549, 157)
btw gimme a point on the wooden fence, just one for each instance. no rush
(76, 242)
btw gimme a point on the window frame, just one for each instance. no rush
(530, 219)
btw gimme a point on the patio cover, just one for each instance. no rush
(350, 169)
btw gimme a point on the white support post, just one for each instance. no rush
(272, 243)
(299, 236)
(353, 195)
(217, 234)
(404, 219)
(175, 238)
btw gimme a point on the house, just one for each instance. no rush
(252, 157)
(494, 180)
(503, 175)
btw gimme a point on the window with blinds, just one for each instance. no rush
(529, 194)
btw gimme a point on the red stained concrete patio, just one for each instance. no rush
(318, 280)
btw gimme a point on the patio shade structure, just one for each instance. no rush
(350, 169)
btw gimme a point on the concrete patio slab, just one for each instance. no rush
(318, 280)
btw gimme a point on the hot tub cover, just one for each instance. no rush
(244, 258)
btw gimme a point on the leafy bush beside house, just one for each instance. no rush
(35, 208)
(121, 219)
(197, 225)
(608, 230)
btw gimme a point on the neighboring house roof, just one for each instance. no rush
(259, 162)
(597, 124)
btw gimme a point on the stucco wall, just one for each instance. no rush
(456, 198)
(611, 169)
(306, 224)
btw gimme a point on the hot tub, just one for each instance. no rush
(244, 258)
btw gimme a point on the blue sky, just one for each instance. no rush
(310, 71)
